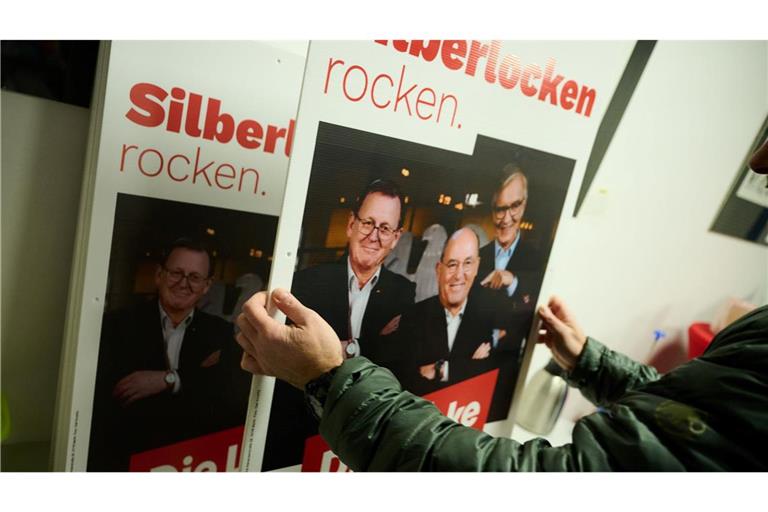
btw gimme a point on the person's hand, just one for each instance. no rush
(295, 353)
(482, 351)
(497, 279)
(391, 326)
(561, 333)
(138, 385)
(428, 371)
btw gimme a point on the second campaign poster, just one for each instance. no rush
(424, 195)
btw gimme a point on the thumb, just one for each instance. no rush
(298, 313)
(549, 317)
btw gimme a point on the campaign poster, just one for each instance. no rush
(188, 158)
(427, 187)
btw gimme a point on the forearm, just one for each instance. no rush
(372, 425)
(603, 375)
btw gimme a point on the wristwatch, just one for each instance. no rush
(316, 391)
(170, 379)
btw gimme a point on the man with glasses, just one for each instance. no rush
(159, 370)
(509, 264)
(452, 336)
(358, 297)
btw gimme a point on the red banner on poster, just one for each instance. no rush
(466, 403)
(214, 452)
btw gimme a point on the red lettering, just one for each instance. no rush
(381, 41)
(509, 72)
(420, 102)
(243, 171)
(141, 96)
(220, 174)
(176, 110)
(531, 70)
(213, 119)
(476, 51)
(586, 94)
(440, 108)
(428, 52)
(249, 133)
(289, 140)
(273, 134)
(122, 155)
(452, 53)
(490, 69)
(400, 45)
(201, 170)
(570, 88)
(331, 64)
(170, 170)
(344, 83)
(159, 167)
(192, 124)
(400, 96)
(548, 85)
(373, 88)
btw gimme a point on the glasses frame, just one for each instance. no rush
(465, 266)
(194, 284)
(384, 236)
(501, 211)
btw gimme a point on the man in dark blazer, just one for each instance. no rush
(359, 298)
(159, 377)
(511, 264)
(462, 332)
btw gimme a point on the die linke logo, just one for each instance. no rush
(466, 403)
(214, 452)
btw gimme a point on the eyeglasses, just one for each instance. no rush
(195, 280)
(465, 266)
(513, 209)
(367, 226)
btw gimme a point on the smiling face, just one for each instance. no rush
(179, 294)
(508, 210)
(458, 268)
(366, 252)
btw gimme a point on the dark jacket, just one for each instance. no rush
(132, 340)
(709, 414)
(527, 264)
(422, 339)
(323, 288)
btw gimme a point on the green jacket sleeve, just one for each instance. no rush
(603, 376)
(373, 425)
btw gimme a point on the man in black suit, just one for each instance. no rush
(510, 263)
(459, 333)
(359, 298)
(159, 376)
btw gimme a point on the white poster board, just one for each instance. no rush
(191, 139)
(456, 112)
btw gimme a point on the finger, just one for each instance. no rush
(246, 345)
(251, 364)
(549, 317)
(487, 279)
(560, 308)
(297, 312)
(256, 315)
(246, 329)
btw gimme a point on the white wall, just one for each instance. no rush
(640, 255)
(43, 150)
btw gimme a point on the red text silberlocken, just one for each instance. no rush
(507, 70)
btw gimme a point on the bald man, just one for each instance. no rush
(455, 334)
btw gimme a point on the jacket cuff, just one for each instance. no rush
(587, 365)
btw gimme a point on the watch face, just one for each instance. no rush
(170, 378)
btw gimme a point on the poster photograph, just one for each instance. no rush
(412, 161)
(182, 192)
(399, 254)
(178, 276)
